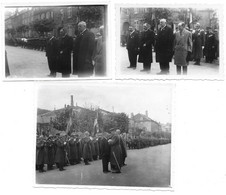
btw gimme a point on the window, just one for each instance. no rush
(43, 16)
(51, 14)
(47, 15)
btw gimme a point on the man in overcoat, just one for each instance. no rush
(86, 148)
(52, 53)
(146, 42)
(83, 52)
(198, 38)
(132, 47)
(60, 156)
(65, 48)
(210, 43)
(116, 152)
(164, 47)
(105, 151)
(40, 153)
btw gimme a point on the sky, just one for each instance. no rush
(129, 98)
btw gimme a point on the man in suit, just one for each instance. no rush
(51, 53)
(83, 52)
(65, 48)
(105, 152)
(198, 38)
(132, 47)
(146, 42)
(164, 46)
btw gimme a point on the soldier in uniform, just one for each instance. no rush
(105, 151)
(115, 152)
(40, 153)
(49, 152)
(60, 151)
(132, 46)
(86, 148)
(73, 149)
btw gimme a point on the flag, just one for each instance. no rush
(95, 125)
(69, 123)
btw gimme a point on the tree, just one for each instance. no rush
(22, 28)
(92, 15)
(42, 26)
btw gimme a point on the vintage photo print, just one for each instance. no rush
(45, 42)
(168, 42)
(104, 135)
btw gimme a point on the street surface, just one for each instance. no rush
(204, 69)
(27, 63)
(149, 167)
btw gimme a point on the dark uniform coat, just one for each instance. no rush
(145, 55)
(82, 53)
(49, 152)
(86, 148)
(164, 45)
(40, 152)
(116, 151)
(198, 38)
(73, 152)
(65, 48)
(60, 152)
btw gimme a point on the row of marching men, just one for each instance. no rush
(63, 150)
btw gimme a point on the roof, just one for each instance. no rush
(141, 117)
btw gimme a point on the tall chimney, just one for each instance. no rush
(146, 113)
(72, 101)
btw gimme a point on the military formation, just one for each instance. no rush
(63, 150)
(183, 45)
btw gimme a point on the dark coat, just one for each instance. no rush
(49, 152)
(40, 152)
(52, 47)
(133, 41)
(116, 151)
(210, 42)
(164, 45)
(73, 154)
(86, 148)
(145, 54)
(198, 38)
(83, 52)
(65, 48)
(60, 156)
(123, 147)
(104, 147)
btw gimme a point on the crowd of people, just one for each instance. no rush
(63, 149)
(183, 45)
(88, 49)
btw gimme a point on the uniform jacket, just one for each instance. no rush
(164, 45)
(133, 41)
(116, 151)
(105, 147)
(86, 148)
(51, 47)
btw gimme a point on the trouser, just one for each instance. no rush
(132, 58)
(64, 75)
(164, 66)
(40, 167)
(52, 64)
(179, 69)
(105, 161)
(60, 166)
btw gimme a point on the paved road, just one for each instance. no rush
(149, 167)
(27, 63)
(204, 69)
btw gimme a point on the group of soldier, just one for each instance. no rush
(63, 149)
(184, 45)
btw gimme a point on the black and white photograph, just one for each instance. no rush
(104, 135)
(170, 41)
(55, 41)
